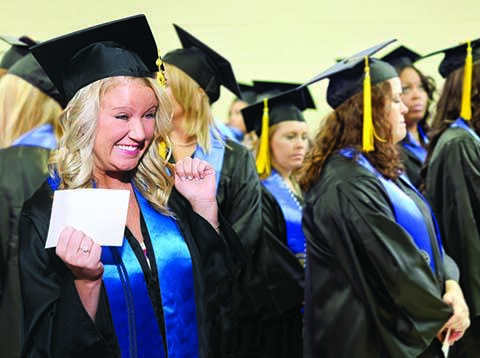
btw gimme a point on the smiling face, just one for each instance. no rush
(288, 143)
(396, 110)
(125, 127)
(414, 96)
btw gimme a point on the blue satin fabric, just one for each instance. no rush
(214, 156)
(42, 136)
(460, 123)
(407, 214)
(414, 147)
(292, 212)
(175, 271)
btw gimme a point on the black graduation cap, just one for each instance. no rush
(204, 65)
(29, 69)
(19, 48)
(455, 57)
(401, 57)
(124, 47)
(347, 76)
(271, 88)
(286, 106)
(248, 93)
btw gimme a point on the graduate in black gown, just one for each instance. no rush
(30, 106)
(453, 176)
(273, 280)
(19, 47)
(170, 289)
(376, 283)
(417, 94)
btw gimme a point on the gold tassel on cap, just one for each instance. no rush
(264, 168)
(466, 111)
(368, 136)
(161, 73)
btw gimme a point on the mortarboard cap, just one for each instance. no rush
(353, 75)
(347, 76)
(401, 57)
(29, 70)
(248, 93)
(455, 57)
(124, 47)
(204, 65)
(19, 48)
(270, 88)
(286, 106)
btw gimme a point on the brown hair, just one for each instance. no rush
(343, 128)
(449, 105)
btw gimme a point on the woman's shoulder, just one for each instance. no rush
(40, 203)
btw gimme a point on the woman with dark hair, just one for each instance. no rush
(376, 283)
(417, 94)
(452, 175)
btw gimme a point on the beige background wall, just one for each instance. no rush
(266, 39)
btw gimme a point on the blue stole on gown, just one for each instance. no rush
(216, 153)
(407, 214)
(292, 212)
(460, 123)
(132, 312)
(414, 147)
(42, 136)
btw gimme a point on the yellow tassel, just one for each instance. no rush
(368, 132)
(163, 149)
(466, 111)
(161, 73)
(263, 154)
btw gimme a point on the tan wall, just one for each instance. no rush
(266, 39)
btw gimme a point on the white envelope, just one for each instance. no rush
(100, 213)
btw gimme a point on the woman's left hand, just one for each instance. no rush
(460, 320)
(195, 180)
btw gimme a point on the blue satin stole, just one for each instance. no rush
(215, 155)
(132, 312)
(292, 212)
(414, 147)
(407, 214)
(42, 136)
(460, 123)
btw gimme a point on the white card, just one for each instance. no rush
(100, 213)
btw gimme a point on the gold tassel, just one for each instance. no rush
(368, 132)
(163, 149)
(466, 111)
(161, 73)
(263, 154)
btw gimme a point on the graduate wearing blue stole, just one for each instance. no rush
(376, 272)
(172, 288)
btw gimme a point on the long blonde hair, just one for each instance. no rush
(74, 161)
(24, 107)
(195, 103)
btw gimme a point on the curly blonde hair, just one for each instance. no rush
(74, 161)
(24, 107)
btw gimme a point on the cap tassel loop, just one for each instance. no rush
(264, 168)
(466, 110)
(161, 73)
(368, 135)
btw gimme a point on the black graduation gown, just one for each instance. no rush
(57, 325)
(369, 292)
(273, 278)
(23, 169)
(413, 166)
(453, 188)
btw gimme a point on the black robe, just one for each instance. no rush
(273, 278)
(369, 292)
(453, 188)
(57, 325)
(413, 166)
(22, 170)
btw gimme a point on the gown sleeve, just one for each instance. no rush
(55, 322)
(366, 277)
(453, 188)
